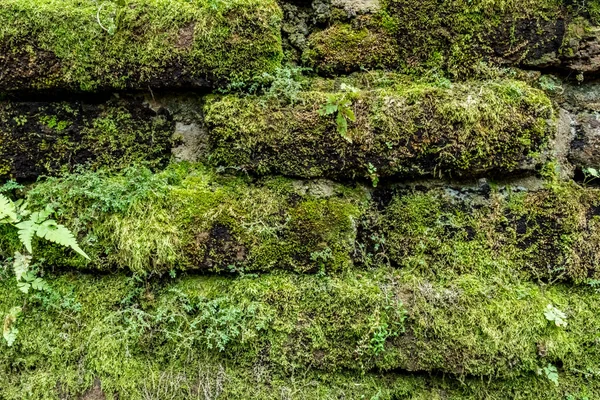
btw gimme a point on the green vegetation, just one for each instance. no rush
(47, 138)
(187, 217)
(344, 48)
(405, 129)
(332, 238)
(456, 38)
(87, 45)
(340, 104)
(134, 337)
(30, 224)
(548, 235)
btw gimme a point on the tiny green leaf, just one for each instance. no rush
(26, 231)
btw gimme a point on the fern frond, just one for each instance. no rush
(59, 234)
(7, 209)
(21, 265)
(26, 231)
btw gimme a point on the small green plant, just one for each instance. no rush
(372, 174)
(550, 372)
(340, 104)
(594, 284)
(284, 83)
(555, 315)
(10, 330)
(391, 325)
(589, 174)
(322, 258)
(21, 120)
(115, 11)
(28, 225)
(551, 84)
(379, 337)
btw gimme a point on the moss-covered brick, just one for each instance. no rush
(88, 45)
(188, 217)
(456, 37)
(343, 48)
(39, 138)
(128, 338)
(406, 129)
(548, 235)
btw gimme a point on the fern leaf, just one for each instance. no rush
(24, 286)
(7, 209)
(21, 265)
(9, 330)
(26, 231)
(40, 285)
(59, 234)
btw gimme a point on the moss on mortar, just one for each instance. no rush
(190, 218)
(406, 129)
(46, 138)
(253, 333)
(88, 45)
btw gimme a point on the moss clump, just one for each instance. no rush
(190, 218)
(48, 138)
(546, 235)
(86, 45)
(346, 48)
(406, 129)
(123, 335)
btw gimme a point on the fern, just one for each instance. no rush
(8, 212)
(26, 231)
(59, 234)
(39, 225)
(21, 265)
(9, 330)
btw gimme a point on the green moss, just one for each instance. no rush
(189, 218)
(406, 129)
(453, 37)
(48, 138)
(249, 335)
(347, 48)
(546, 235)
(159, 43)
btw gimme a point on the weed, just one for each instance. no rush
(550, 372)
(30, 224)
(555, 315)
(590, 174)
(340, 104)
(372, 174)
(285, 83)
